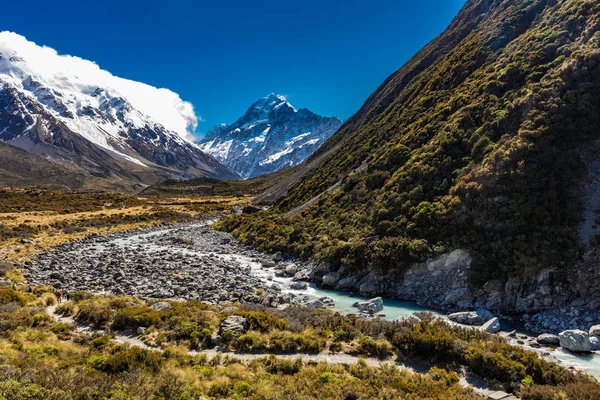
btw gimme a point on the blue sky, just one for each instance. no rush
(222, 55)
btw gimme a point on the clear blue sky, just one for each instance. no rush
(221, 55)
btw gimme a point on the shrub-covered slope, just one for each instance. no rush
(477, 143)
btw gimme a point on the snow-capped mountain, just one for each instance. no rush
(65, 108)
(270, 136)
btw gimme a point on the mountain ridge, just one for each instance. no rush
(473, 146)
(75, 115)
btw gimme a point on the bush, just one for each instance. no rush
(133, 317)
(7, 295)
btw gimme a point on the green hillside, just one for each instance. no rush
(475, 143)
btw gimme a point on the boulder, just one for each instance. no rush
(57, 276)
(575, 340)
(250, 209)
(547, 338)
(298, 285)
(140, 330)
(275, 287)
(291, 269)
(492, 326)
(371, 306)
(234, 323)
(595, 342)
(267, 264)
(314, 304)
(331, 279)
(161, 306)
(478, 317)
(595, 330)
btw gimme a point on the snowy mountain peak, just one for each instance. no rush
(57, 105)
(270, 135)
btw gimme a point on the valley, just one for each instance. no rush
(440, 242)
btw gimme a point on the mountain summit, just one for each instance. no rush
(270, 136)
(68, 109)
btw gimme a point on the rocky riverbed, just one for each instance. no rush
(189, 261)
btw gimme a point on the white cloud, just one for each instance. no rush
(163, 105)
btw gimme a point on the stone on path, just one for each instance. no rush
(234, 323)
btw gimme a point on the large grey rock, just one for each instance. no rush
(331, 279)
(371, 306)
(547, 338)
(314, 304)
(492, 326)
(234, 323)
(478, 317)
(595, 330)
(575, 340)
(291, 269)
(298, 285)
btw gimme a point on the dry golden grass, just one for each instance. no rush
(49, 225)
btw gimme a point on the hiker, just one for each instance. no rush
(29, 289)
(14, 286)
(58, 295)
(68, 294)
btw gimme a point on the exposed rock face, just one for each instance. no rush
(371, 306)
(492, 326)
(547, 338)
(575, 340)
(478, 317)
(234, 323)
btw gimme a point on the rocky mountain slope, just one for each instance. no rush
(67, 109)
(270, 136)
(19, 168)
(469, 177)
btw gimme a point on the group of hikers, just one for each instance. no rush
(60, 294)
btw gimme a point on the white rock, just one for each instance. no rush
(492, 326)
(575, 340)
(595, 330)
(291, 269)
